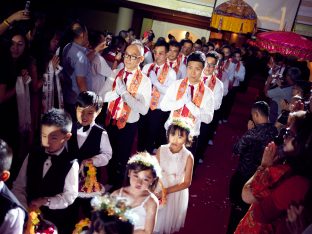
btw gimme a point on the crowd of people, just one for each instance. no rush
(73, 98)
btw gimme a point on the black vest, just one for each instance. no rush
(91, 146)
(54, 180)
(7, 202)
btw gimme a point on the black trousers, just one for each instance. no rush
(229, 100)
(151, 130)
(121, 141)
(238, 207)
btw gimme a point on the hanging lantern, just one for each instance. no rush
(234, 16)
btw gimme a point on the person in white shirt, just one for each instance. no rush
(151, 132)
(12, 213)
(174, 62)
(128, 93)
(48, 178)
(186, 50)
(190, 97)
(227, 68)
(89, 144)
(211, 81)
(100, 70)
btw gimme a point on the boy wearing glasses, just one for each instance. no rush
(151, 126)
(128, 93)
(210, 79)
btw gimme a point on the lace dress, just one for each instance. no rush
(171, 217)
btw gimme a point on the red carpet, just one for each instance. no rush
(209, 206)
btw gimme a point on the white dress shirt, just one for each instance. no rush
(59, 201)
(204, 113)
(138, 104)
(148, 58)
(239, 75)
(13, 222)
(170, 78)
(182, 69)
(217, 91)
(103, 158)
(227, 77)
(99, 71)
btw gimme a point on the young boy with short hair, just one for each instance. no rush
(12, 213)
(48, 178)
(89, 142)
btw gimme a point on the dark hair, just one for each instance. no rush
(58, 118)
(186, 41)
(95, 38)
(305, 87)
(139, 166)
(237, 51)
(162, 43)
(293, 73)
(262, 107)
(211, 44)
(277, 57)
(199, 42)
(301, 159)
(110, 224)
(175, 44)
(89, 98)
(6, 156)
(212, 55)
(197, 56)
(173, 128)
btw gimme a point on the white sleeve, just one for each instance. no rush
(148, 58)
(169, 102)
(206, 109)
(103, 158)
(13, 222)
(140, 103)
(107, 92)
(70, 191)
(20, 184)
(240, 74)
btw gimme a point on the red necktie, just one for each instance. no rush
(118, 99)
(185, 110)
(171, 64)
(192, 90)
(156, 70)
(185, 60)
(205, 78)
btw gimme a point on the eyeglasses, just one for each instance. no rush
(289, 134)
(131, 57)
(210, 65)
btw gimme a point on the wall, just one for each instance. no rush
(162, 29)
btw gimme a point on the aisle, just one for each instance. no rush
(209, 206)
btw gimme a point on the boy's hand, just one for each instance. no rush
(37, 203)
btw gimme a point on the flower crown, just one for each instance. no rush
(113, 206)
(147, 160)
(183, 123)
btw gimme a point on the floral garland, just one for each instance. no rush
(146, 160)
(33, 221)
(113, 206)
(183, 123)
(84, 223)
(91, 184)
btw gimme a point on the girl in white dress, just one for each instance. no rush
(143, 172)
(176, 163)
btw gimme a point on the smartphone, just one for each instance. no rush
(27, 8)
